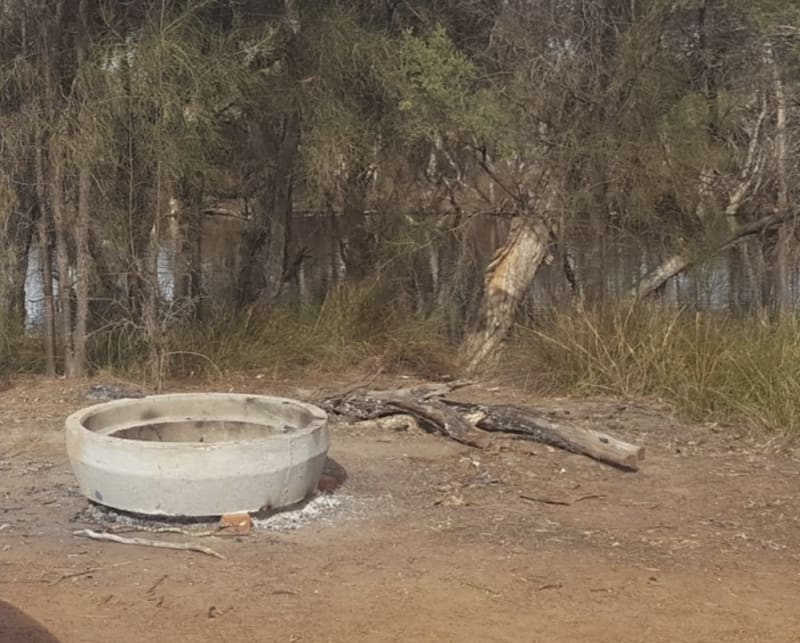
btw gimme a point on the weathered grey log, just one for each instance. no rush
(458, 421)
(442, 418)
(432, 415)
(537, 427)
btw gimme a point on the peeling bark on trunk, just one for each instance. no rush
(507, 279)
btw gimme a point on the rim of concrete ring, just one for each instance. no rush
(74, 422)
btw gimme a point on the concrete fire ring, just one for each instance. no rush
(198, 454)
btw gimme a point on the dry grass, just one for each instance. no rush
(356, 325)
(709, 366)
(19, 352)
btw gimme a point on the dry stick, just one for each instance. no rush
(86, 572)
(153, 587)
(94, 535)
(545, 501)
(166, 530)
(563, 503)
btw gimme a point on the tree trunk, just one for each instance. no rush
(507, 279)
(783, 295)
(15, 237)
(265, 245)
(45, 258)
(82, 267)
(46, 267)
(61, 227)
(76, 367)
(679, 262)
(353, 234)
(190, 239)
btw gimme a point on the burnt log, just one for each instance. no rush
(466, 423)
(540, 428)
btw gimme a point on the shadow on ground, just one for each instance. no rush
(17, 627)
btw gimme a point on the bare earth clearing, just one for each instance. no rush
(430, 541)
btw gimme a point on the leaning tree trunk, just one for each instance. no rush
(507, 279)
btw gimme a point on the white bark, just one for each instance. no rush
(508, 278)
(782, 281)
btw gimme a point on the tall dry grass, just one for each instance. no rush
(356, 325)
(710, 366)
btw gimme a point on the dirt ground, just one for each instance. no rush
(430, 540)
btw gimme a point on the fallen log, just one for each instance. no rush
(461, 422)
(432, 415)
(443, 419)
(537, 427)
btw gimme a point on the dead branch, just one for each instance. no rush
(94, 535)
(546, 501)
(537, 427)
(461, 422)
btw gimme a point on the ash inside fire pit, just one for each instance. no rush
(199, 431)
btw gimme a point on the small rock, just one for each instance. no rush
(327, 483)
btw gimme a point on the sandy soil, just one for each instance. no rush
(428, 541)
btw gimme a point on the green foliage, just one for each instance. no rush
(372, 97)
(436, 87)
(710, 367)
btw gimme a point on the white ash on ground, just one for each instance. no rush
(320, 508)
(121, 521)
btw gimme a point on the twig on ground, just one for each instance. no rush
(546, 501)
(94, 535)
(86, 572)
(564, 503)
(166, 530)
(153, 587)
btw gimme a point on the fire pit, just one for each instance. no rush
(198, 454)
